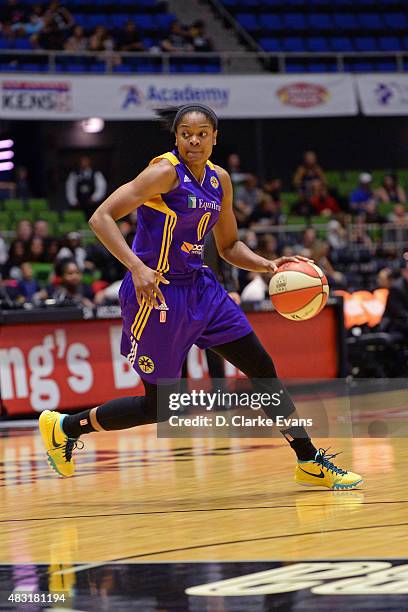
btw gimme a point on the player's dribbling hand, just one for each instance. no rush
(146, 282)
(272, 266)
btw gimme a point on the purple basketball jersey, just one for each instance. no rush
(170, 236)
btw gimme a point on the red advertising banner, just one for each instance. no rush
(76, 364)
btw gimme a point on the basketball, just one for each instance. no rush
(299, 290)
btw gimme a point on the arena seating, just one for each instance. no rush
(322, 26)
(153, 23)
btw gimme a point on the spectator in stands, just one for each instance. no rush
(36, 251)
(336, 235)
(234, 170)
(34, 25)
(101, 40)
(384, 278)
(302, 207)
(73, 250)
(395, 318)
(58, 23)
(86, 187)
(247, 197)
(71, 290)
(36, 21)
(28, 286)
(308, 171)
(17, 255)
(265, 213)
(268, 246)
(310, 242)
(78, 41)
(22, 188)
(10, 13)
(199, 37)
(322, 258)
(399, 215)
(362, 194)
(3, 251)
(391, 191)
(129, 38)
(8, 34)
(177, 40)
(24, 232)
(371, 213)
(274, 188)
(42, 229)
(322, 202)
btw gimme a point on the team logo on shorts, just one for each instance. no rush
(214, 182)
(145, 364)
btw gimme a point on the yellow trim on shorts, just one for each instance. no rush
(157, 203)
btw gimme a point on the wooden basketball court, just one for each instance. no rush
(139, 499)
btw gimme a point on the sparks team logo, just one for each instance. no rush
(192, 201)
(133, 96)
(214, 182)
(303, 95)
(202, 225)
(384, 93)
(146, 364)
(192, 249)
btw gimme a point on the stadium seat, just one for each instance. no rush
(320, 21)
(317, 43)
(12, 204)
(19, 215)
(294, 44)
(42, 271)
(294, 21)
(341, 43)
(248, 22)
(346, 22)
(5, 221)
(385, 66)
(270, 44)
(365, 43)
(74, 216)
(396, 21)
(370, 22)
(295, 67)
(145, 22)
(270, 22)
(51, 216)
(37, 205)
(22, 43)
(389, 43)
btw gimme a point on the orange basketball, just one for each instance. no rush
(299, 290)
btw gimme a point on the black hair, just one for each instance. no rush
(62, 264)
(170, 116)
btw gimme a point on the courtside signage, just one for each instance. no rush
(232, 96)
(383, 94)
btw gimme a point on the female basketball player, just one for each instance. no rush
(170, 301)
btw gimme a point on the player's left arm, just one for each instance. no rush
(229, 246)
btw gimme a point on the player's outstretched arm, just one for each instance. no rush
(155, 179)
(226, 237)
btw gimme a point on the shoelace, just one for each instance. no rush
(70, 445)
(322, 458)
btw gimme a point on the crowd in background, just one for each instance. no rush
(351, 259)
(53, 27)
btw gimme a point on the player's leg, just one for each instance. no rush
(60, 432)
(314, 466)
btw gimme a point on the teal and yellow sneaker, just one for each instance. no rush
(57, 444)
(321, 472)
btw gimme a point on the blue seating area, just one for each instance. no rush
(153, 23)
(324, 26)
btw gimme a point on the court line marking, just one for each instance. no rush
(153, 512)
(118, 560)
